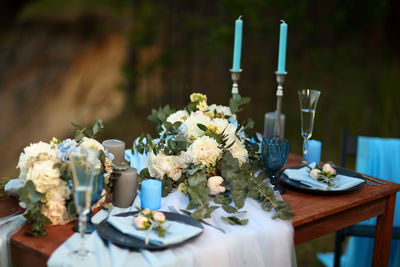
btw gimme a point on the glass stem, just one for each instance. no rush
(82, 227)
(305, 150)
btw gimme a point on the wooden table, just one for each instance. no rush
(316, 215)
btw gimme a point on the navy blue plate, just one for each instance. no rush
(110, 233)
(308, 189)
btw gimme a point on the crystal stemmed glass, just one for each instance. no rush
(308, 104)
(274, 154)
(84, 166)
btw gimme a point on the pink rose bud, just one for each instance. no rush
(314, 173)
(141, 222)
(328, 168)
(159, 216)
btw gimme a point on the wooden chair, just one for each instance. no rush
(349, 149)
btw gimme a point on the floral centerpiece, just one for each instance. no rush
(204, 152)
(46, 194)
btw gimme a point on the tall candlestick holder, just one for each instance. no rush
(235, 74)
(280, 78)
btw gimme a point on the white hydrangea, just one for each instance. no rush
(180, 115)
(239, 151)
(214, 184)
(160, 165)
(220, 111)
(44, 176)
(190, 128)
(204, 151)
(90, 143)
(40, 151)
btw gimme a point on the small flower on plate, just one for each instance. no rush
(314, 173)
(142, 222)
(158, 216)
(329, 169)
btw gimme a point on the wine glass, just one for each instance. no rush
(275, 152)
(84, 166)
(308, 104)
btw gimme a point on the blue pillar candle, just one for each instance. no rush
(237, 48)
(314, 152)
(150, 196)
(282, 48)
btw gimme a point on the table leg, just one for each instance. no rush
(383, 234)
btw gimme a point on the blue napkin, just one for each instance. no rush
(341, 182)
(176, 231)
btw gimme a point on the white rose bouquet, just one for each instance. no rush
(205, 153)
(46, 194)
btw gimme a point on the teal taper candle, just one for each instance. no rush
(282, 48)
(237, 48)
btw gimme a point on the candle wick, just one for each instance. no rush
(283, 21)
(240, 17)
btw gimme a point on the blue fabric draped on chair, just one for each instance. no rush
(379, 157)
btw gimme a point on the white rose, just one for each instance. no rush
(214, 184)
(56, 212)
(239, 151)
(160, 165)
(154, 162)
(329, 169)
(40, 151)
(198, 113)
(204, 151)
(202, 106)
(180, 115)
(90, 143)
(220, 111)
(44, 176)
(223, 125)
(190, 128)
(314, 173)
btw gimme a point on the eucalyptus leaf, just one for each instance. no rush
(229, 208)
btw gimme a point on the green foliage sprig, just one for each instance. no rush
(82, 132)
(32, 200)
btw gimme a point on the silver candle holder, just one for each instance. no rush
(235, 79)
(280, 78)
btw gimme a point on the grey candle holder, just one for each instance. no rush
(235, 79)
(280, 78)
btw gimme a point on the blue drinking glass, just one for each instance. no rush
(275, 152)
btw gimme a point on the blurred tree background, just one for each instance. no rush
(63, 61)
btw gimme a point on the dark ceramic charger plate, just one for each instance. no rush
(110, 233)
(308, 189)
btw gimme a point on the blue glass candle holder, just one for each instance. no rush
(275, 152)
(150, 196)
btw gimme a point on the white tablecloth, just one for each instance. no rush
(262, 242)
